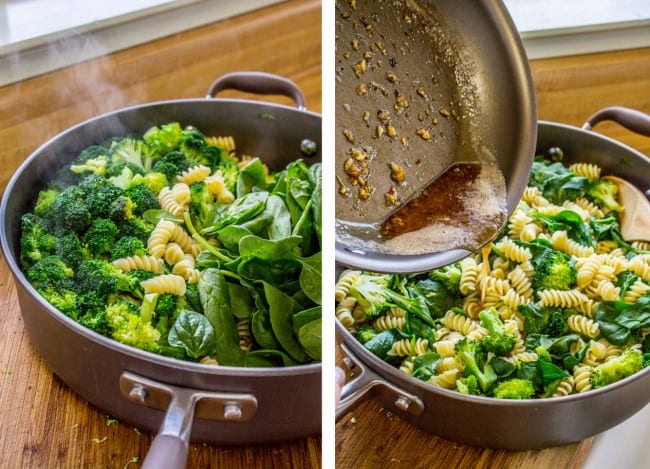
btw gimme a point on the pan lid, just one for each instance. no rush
(434, 95)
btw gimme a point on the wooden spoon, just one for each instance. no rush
(635, 218)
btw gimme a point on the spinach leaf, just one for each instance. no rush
(262, 330)
(215, 298)
(569, 221)
(266, 358)
(193, 333)
(424, 366)
(382, 342)
(311, 277)
(280, 227)
(606, 315)
(281, 310)
(305, 316)
(310, 337)
(251, 176)
(316, 177)
(241, 210)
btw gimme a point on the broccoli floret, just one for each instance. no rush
(197, 150)
(230, 173)
(121, 209)
(43, 206)
(92, 152)
(48, 272)
(143, 198)
(127, 246)
(468, 385)
(63, 300)
(99, 194)
(172, 164)
(617, 368)
(201, 206)
(96, 166)
(116, 169)
(70, 249)
(104, 280)
(69, 211)
(473, 355)
(129, 326)
(554, 270)
(556, 325)
(35, 242)
(365, 333)
(155, 181)
(100, 236)
(605, 193)
(374, 295)
(137, 228)
(96, 321)
(164, 139)
(131, 150)
(497, 342)
(516, 388)
(449, 276)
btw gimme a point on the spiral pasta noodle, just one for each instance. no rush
(150, 263)
(165, 283)
(194, 174)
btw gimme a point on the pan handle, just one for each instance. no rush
(631, 119)
(258, 83)
(366, 381)
(169, 448)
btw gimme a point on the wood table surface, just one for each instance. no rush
(43, 423)
(569, 90)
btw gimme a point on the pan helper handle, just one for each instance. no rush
(631, 119)
(169, 448)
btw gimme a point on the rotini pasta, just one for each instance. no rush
(166, 283)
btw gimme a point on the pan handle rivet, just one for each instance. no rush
(403, 403)
(138, 393)
(232, 411)
(308, 147)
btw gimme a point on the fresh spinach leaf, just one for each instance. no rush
(193, 333)
(281, 310)
(280, 227)
(250, 177)
(311, 277)
(310, 337)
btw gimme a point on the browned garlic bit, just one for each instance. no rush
(424, 133)
(401, 102)
(391, 77)
(383, 115)
(349, 135)
(365, 190)
(366, 116)
(391, 197)
(344, 191)
(362, 90)
(360, 68)
(390, 131)
(444, 112)
(396, 173)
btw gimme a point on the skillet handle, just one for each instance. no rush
(631, 119)
(367, 380)
(166, 451)
(258, 83)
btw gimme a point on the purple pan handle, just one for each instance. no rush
(631, 119)
(258, 83)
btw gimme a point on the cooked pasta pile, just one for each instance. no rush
(569, 328)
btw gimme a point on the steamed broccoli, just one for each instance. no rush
(617, 368)
(129, 326)
(103, 280)
(605, 193)
(374, 295)
(63, 300)
(515, 388)
(365, 333)
(99, 195)
(195, 147)
(554, 270)
(131, 150)
(163, 139)
(121, 209)
(230, 173)
(96, 166)
(100, 236)
(36, 242)
(69, 211)
(172, 164)
(449, 276)
(71, 250)
(123, 168)
(468, 385)
(50, 272)
(497, 342)
(44, 202)
(127, 246)
(202, 208)
(474, 358)
(136, 227)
